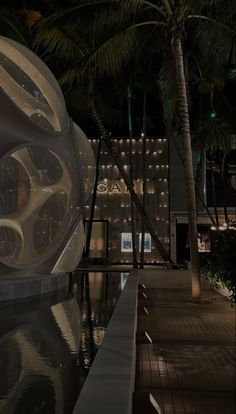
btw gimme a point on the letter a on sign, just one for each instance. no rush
(115, 188)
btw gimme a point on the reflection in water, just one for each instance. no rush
(46, 353)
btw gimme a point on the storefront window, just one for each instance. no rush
(147, 242)
(126, 242)
(204, 243)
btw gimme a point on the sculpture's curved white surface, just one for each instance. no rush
(87, 161)
(47, 167)
(28, 82)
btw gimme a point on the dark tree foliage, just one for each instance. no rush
(219, 266)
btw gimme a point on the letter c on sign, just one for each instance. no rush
(101, 188)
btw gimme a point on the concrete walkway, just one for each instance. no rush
(190, 367)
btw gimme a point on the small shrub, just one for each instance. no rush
(219, 266)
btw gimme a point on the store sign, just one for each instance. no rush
(118, 187)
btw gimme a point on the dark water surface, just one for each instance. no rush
(47, 344)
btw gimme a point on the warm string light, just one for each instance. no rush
(223, 228)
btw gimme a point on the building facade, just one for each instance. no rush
(166, 202)
(225, 194)
(111, 236)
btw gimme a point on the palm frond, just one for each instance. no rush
(215, 38)
(56, 41)
(109, 57)
(9, 29)
(64, 14)
(168, 88)
(213, 135)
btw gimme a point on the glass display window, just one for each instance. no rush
(147, 242)
(126, 242)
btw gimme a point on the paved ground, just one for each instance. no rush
(190, 367)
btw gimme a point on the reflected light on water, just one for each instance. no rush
(47, 352)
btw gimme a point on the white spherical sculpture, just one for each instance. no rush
(46, 168)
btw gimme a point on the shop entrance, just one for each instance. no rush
(99, 239)
(182, 243)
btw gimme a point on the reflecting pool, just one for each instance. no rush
(47, 344)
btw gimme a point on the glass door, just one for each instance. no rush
(99, 239)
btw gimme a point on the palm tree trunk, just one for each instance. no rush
(213, 188)
(188, 165)
(222, 174)
(97, 173)
(198, 193)
(198, 178)
(131, 175)
(93, 202)
(130, 186)
(144, 179)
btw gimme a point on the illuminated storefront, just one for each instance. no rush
(111, 237)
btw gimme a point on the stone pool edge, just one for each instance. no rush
(109, 385)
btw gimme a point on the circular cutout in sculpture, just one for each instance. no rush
(11, 245)
(49, 220)
(37, 207)
(48, 166)
(15, 186)
(31, 86)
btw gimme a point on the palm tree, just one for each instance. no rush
(172, 17)
(213, 133)
(144, 133)
(61, 43)
(118, 27)
(131, 176)
(111, 150)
